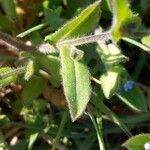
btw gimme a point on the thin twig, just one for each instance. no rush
(96, 80)
(46, 48)
(104, 36)
(15, 43)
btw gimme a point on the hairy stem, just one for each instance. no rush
(105, 36)
(15, 43)
(47, 48)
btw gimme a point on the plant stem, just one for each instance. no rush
(15, 43)
(62, 124)
(86, 39)
(46, 48)
(98, 127)
(96, 80)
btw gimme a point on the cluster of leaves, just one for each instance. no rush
(68, 78)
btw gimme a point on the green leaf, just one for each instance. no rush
(146, 40)
(137, 142)
(32, 118)
(33, 29)
(115, 55)
(39, 106)
(53, 19)
(10, 9)
(30, 69)
(99, 128)
(50, 64)
(6, 81)
(110, 81)
(32, 89)
(134, 98)
(4, 119)
(113, 49)
(60, 129)
(78, 26)
(97, 100)
(115, 119)
(76, 82)
(5, 23)
(145, 48)
(123, 18)
(32, 138)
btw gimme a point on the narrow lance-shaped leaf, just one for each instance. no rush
(78, 26)
(76, 82)
(32, 138)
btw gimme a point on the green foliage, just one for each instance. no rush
(50, 64)
(76, 82)
(146, 40)
(9, 7)
(134, 99)
(137, 142)
(30, 69)
(78, 26)
(110, 81)
(39, 88)
(37, 84)
(8, 80)
(122, 18)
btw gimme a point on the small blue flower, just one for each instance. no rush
(128, 86)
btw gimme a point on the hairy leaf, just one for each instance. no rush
(76, 82)
(79, 25)
(110, 81)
